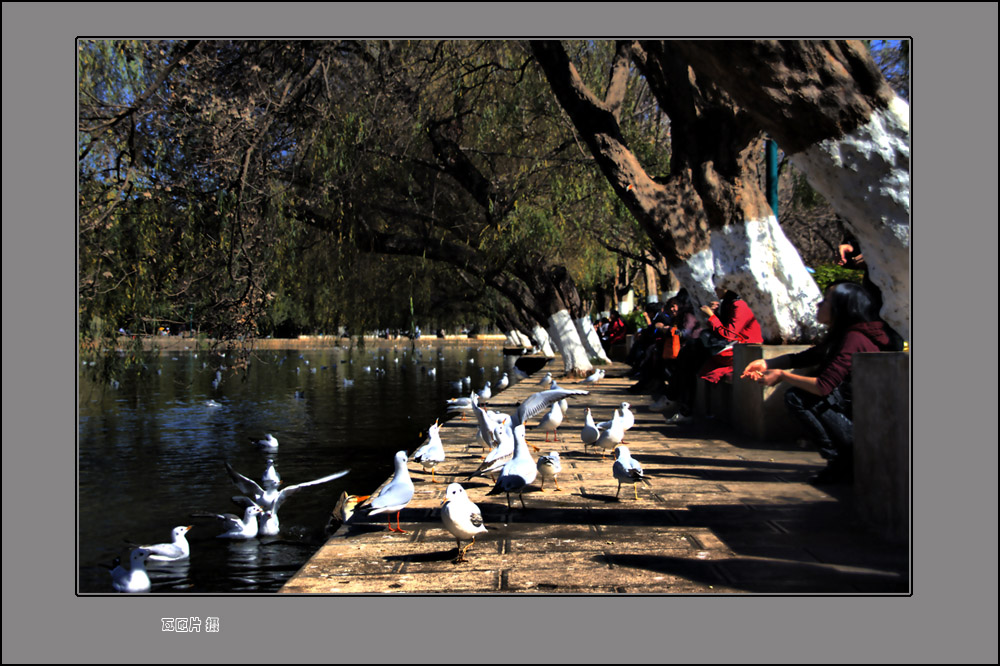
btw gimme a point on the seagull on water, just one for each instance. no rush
(549, 468)
(132, 578)
(393, 496)
(267, 496)
(431, 452)
(627, 470)
(270, 442)
(461, 517)
(233, 526)
(177, 549)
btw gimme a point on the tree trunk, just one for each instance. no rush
(710, 216)
(831, 110)
(591, 341)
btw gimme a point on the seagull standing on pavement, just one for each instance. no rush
(394, 496)
(536, 402)
(503, 383)
(431, 452)
(551, 422)
(549, 468)
(461, 517)
(519, 473)
(613, 436)
(597, 376)
(590, 431)
(627, 470)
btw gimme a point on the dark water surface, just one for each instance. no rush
(151, 451)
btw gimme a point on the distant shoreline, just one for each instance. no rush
(173, 343)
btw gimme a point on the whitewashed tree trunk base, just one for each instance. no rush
(760, 264)
(866, 178)
(591, 341)
(544, 342)
(574, 353)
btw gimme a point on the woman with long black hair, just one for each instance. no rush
(823, 403)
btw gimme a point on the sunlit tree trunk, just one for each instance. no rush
(831, 110)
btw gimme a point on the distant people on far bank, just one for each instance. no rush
(823, 404)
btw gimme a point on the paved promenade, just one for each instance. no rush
(724, 514)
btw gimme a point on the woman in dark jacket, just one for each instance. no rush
(823, 403)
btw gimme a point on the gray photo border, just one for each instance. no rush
(949, 618)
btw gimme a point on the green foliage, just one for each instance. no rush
(827, 274)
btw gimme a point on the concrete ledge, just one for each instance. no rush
(759, 411)
(881, 403)
(714, 400)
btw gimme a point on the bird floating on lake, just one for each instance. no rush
(461, 517)
(132, 578)
(267, 497)
(270, 442)
(178, 548)
(233, 526)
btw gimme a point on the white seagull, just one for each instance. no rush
(551, 422)
(132, 578)
(431, 452)
(461, 517)
(628, 419)
(536, 402)
(270, 442)
(590, 431)
(177, 549)
(268, 498)
(393, 496)
(597, 376)
(549, 468)
(503, 383)
(486, 393)
(233, 526)
(520, 472)
(613, 436)
(546, 380)
(627, 470)
(501, 453)
(462, 405)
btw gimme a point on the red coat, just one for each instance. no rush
(740, 327)
(616, 331)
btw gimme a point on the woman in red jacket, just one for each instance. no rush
(734, 322)
(823, 403)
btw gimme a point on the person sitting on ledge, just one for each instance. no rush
(822, 404)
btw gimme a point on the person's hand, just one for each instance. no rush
(707, 310)
(754, 369)
(844, 250)
(771, 377)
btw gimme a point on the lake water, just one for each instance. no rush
(151, 452)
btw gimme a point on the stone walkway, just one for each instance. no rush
(723, 515)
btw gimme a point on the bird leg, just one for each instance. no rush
(619, 489)
(461, 553)
(521, 497)
(635, 487)
(556, 479)
(542, 487)
(398, 528)
(555, 434)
